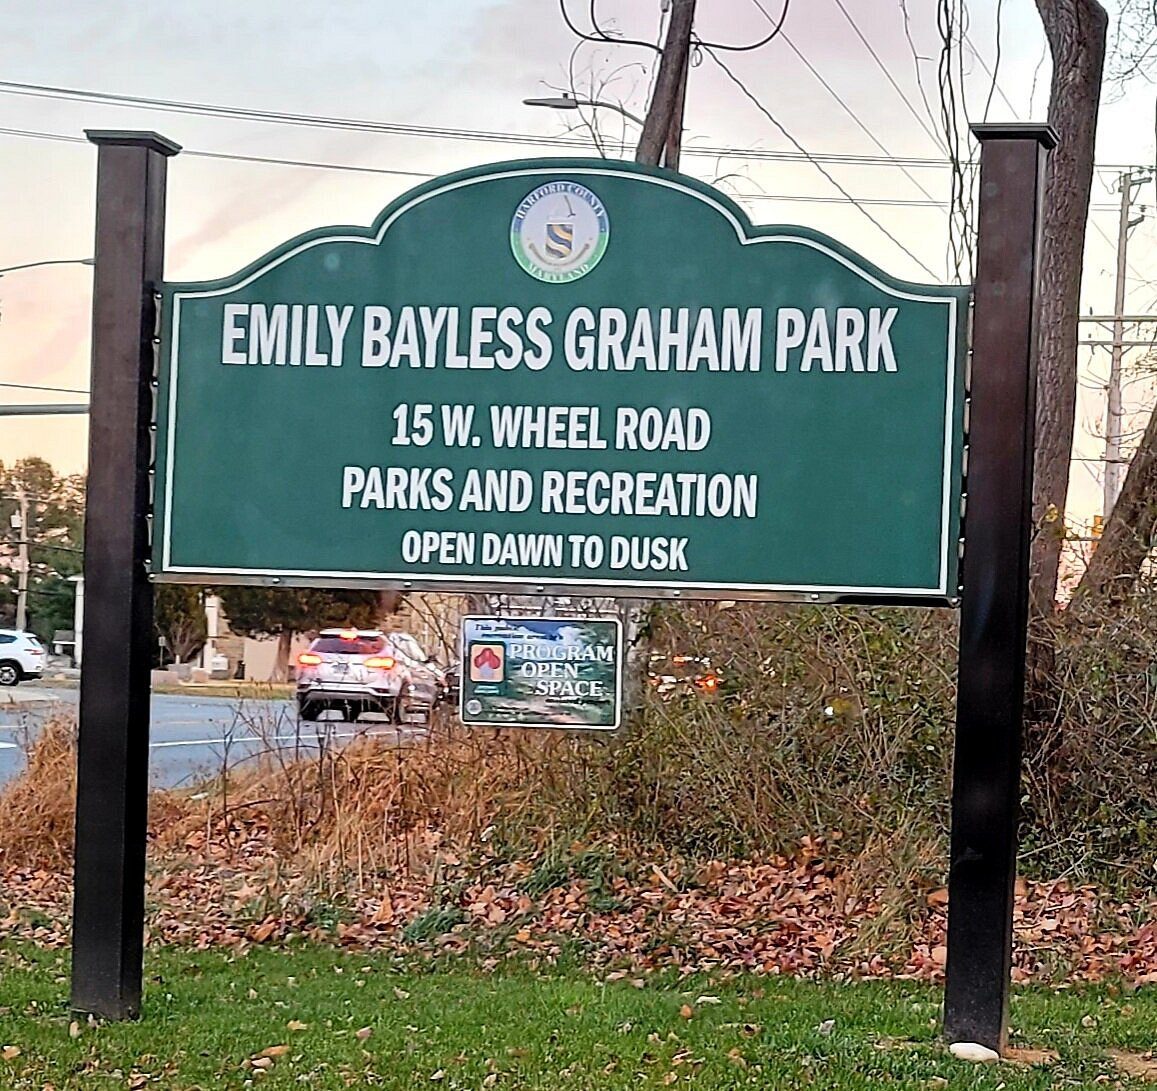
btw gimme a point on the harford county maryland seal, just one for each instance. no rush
(559, 232)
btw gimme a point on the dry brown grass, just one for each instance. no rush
(36, 808)
(832, 723)
(372, 806)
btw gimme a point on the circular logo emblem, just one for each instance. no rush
(559, 232)
(473, 707)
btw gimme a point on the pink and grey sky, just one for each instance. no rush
(468, 64)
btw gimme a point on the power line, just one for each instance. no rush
(236, 113)
(884, 68)
(314, 164)
(776, 28)
(846, 108)
(771, 117)
(34, 134)
(53, 389)
(431, 131)
(600, 36)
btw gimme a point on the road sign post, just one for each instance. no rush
(113, 757)
(994, 604)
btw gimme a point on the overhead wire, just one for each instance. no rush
(933, 136)
(52, 389)
(361, 169)
(827, 174)
(712, 152)
(599, 34)
(425, 131)
(843, 104)
(776, 28)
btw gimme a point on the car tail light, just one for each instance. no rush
(308, 659)
(382, 662)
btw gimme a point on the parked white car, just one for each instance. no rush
(21, 657)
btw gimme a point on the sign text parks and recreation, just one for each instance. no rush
(565, 373)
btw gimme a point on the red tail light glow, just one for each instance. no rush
(382, 662)
(308, 659)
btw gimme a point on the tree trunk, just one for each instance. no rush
(1128, 535)
(1076, 31)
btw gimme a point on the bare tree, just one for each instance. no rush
(1128, 536)
(1133, 49)
(1076, 32)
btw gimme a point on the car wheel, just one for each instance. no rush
(9, 673)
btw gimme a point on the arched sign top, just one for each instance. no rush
(564, 373)
(731, 213)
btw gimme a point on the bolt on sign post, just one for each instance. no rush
(113, 748)
(994, 609)
(565, 377)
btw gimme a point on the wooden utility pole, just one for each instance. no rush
(22, 574)
(663, 127)
(1114, 464)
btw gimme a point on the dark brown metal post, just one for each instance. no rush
(113, 755)
(994, 602)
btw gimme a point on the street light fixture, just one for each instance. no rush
(568, 102)
(43, 410)
(56, 261)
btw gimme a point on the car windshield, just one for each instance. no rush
(336, 645)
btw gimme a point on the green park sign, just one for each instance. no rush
(564, 374)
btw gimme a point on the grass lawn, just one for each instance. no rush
(321, 1018)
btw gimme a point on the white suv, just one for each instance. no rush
(366, 670)
(21, 657)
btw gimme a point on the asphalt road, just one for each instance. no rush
(190, 736)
